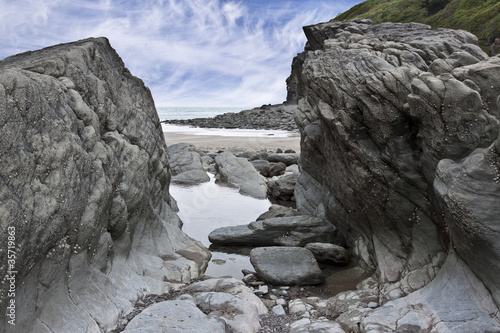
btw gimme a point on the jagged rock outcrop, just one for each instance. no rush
(380, 109)
(84, 191)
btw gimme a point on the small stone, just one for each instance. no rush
(219, 261)
(373, 305)
(279, 310)
(280, 301)
(264, 289)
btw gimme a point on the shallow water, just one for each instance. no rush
(212, 205)
(208, 206)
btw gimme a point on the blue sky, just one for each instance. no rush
(188, 52)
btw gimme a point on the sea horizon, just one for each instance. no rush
(192, 112)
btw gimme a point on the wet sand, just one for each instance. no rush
(214, 143)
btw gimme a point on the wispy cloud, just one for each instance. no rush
(189, 52)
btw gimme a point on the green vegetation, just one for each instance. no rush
(481, 17)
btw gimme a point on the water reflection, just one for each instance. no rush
(211, 205)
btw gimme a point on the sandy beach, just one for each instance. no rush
(214, 140)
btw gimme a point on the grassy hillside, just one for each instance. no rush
(481, 17)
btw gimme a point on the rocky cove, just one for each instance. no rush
(399, 164)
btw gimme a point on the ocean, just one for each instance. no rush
(186, 112)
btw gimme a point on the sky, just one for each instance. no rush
(188, 52)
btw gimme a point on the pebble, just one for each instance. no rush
(280, 301)
(373, 305)
(279, 310)
(262, 290)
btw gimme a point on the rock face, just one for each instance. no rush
(469, 194)
(286, 265)
(84, 182)
(390, 117)
(186, 165)
(285, 231)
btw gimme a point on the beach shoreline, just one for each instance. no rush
(213, 142)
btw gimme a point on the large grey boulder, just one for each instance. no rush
(179, 316)
(284, 265)
(239, 171)
(329, 252)
(259, 165)
(283, 187)
(278, 211)
(273, 169)
(213, 305)
(186, 164)
(375, 121)
(84, 182)
(286, 158)
(286, 231)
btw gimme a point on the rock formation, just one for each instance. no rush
(239, 171)
(285, 265)
(397, 127)
(186, 164)
(276, 117)
(277, 231)
(84, 183)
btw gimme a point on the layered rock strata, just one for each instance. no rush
(84, 183)
(390, 117)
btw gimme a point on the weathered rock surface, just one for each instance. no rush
(278, 117)
(307, 325)
(273, 169)
(390, 116)
(329, 252)
(214, 305)
(179, 316)
(84, 181)
(260, 165)
(282, 188)
(284, 265)
(239, 171)
(231, 301)
(469, 194)
(286, 231)
(455, 301)
(286, 158)
(186, 164)
(278, 211)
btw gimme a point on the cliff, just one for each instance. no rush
(478, 17)
(398, 125)
(84, 204)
